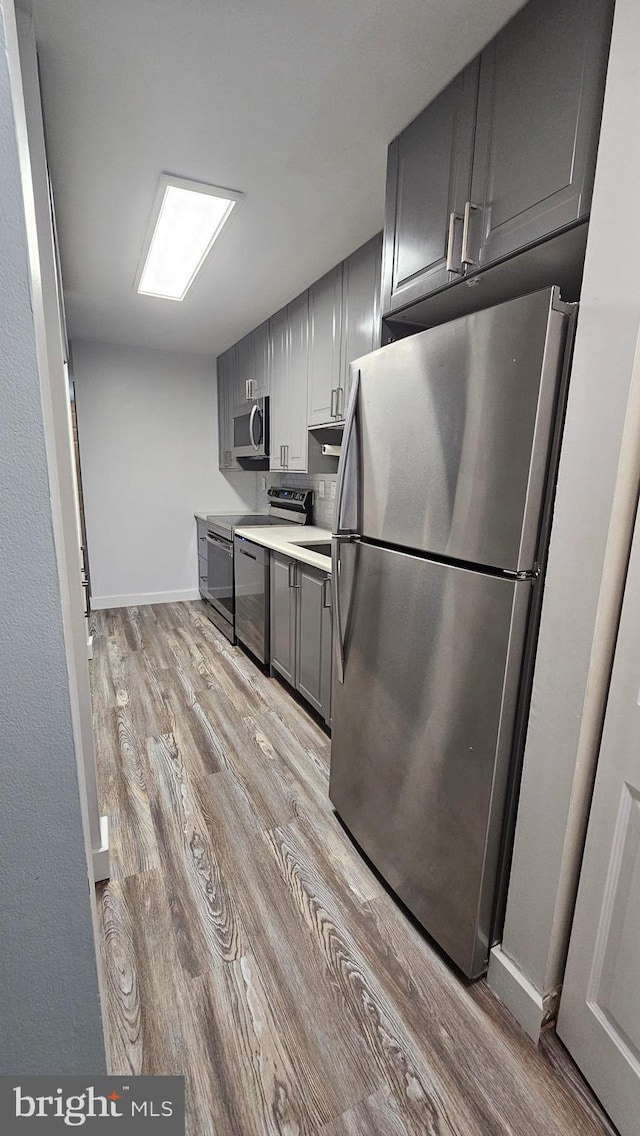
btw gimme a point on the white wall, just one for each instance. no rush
(49, 997)
(147, 422)
(586, 568)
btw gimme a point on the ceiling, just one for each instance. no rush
(293, 102)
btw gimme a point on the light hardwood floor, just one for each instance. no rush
(248, 945)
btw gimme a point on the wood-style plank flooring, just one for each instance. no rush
(248, 945)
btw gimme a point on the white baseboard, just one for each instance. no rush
(517, 992)
(99, 602)
(101, 863)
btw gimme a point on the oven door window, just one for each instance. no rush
(220, 574)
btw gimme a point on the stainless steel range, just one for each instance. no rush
(287, 505)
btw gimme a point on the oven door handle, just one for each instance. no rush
(255, 410)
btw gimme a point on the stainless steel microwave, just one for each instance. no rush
(251, 430)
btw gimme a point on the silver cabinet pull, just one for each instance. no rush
(466, 258)
(451, 265)
(286, 456)
(282, 456)
(334, 400)
(339, 402)
(246, 389)
(326, 591)
(292, 574)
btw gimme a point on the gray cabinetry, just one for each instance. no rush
(244, 371)
(226, 378)
(504, 157)
(301, 629)
(313, 637)
(260, 344)
(539, 105)
(252, 367)
(203, 571)
(360, 308)
(344, 323)
(278, 382)
(428, 182)
(325, 348)
(283, 616)
(288, 372)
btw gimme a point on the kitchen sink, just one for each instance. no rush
(321, 546)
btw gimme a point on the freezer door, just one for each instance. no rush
(453, 426)
(423, 726)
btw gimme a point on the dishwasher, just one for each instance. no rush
(251, 567)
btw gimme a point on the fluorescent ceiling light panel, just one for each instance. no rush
(185, 221)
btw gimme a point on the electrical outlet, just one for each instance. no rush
(333, 490)
(321, 489)
(263, 483)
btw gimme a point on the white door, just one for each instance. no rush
(599, 1018)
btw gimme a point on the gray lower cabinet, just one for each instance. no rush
(301, 629)
(203, 569)
(283, 616)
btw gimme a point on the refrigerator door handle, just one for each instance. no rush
(348, 440)
(338, 630)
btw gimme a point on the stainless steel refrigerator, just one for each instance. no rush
(443, 511)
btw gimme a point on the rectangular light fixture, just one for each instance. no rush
(185, 221)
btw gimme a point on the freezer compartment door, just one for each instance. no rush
(423, 726)
(453, 430)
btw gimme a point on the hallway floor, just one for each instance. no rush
(247, 944)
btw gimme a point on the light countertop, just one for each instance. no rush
(287, 539)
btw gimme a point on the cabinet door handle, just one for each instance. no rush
(339, 402)
(451, 265)
(282, 456)
(292, 574)
(326, 591)
(286, 456)
(466, 258)
(333, 412)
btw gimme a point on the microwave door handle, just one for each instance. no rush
(255, 410)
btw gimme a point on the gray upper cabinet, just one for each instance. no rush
(244, 372)
(344, 323)
(361, 309)
(539, 106)
(428, 182)
(260, 345)
(504, 157)
(278, 384)
(288, 380)
(296, 441)
(226, 379)
(325, 347)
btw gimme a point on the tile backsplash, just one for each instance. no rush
(323, 507)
